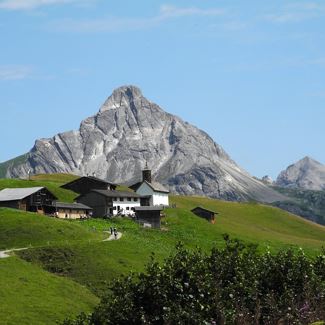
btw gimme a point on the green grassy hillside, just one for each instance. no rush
(75, 250)
(29, 295)
(57, 178)
(259, 223)
(95, 264)
(21, 229)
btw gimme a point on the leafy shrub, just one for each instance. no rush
(232, 285)
(53, 259)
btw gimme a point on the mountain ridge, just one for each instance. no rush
(130, 130)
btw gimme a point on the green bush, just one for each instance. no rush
(232, 285)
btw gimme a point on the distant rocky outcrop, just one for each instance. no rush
(267, 180)
(129, 131)
(307, 173)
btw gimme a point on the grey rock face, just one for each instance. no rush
(128, 131)
(267, 180)
(307, 173)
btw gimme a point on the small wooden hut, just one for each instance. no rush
(205, 214)
(148, 216)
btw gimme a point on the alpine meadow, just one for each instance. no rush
(161, 162)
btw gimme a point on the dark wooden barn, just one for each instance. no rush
(85, 184)
(205, 214)
(34, 199)
(148, 216)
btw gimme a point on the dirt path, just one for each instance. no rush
(112, 237)
(6, 253)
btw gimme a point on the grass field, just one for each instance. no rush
(94, 264)
(32, 296)
(22, 229)
(74, 250)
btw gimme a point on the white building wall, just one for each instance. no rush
(157, 198)
(125, 205)
(160, 199)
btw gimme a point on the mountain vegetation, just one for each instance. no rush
(231, 285)
(305, 203)
(72, 252)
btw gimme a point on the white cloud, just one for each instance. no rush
(168, 11)
(15, 72)
(111, 24)
(33, 4)
(296, 12)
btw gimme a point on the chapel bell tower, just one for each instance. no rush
(146, 174)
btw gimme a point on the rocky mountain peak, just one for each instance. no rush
(308, 161)
(307, 173)
(123, 96)
(128, 131)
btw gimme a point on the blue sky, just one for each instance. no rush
(249, 73)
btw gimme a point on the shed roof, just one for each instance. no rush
(76, 206)
(109, 193)
(204, 209)
(15, 194)
(155, 186)
(148, 208)
(89, 177)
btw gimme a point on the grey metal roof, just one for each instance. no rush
(109, 193)
(157, 187)
(148, 208)
(76, 206)
(15, 194)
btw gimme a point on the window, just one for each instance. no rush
(114, 198)
(114, 208)
(121, 199)
(132, 209)
(129, 199)
(135, 199)
(127, 208)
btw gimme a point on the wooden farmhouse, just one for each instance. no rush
(65, 210)
(153, 193)
(34, 199)
(107, 203)
(205, 214)
(148, 216)
(85, 184)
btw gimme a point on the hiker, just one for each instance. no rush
(115, 233)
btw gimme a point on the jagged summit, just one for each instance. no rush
(128, 131)
(307, 173)
(308, 160)
(122, 96)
